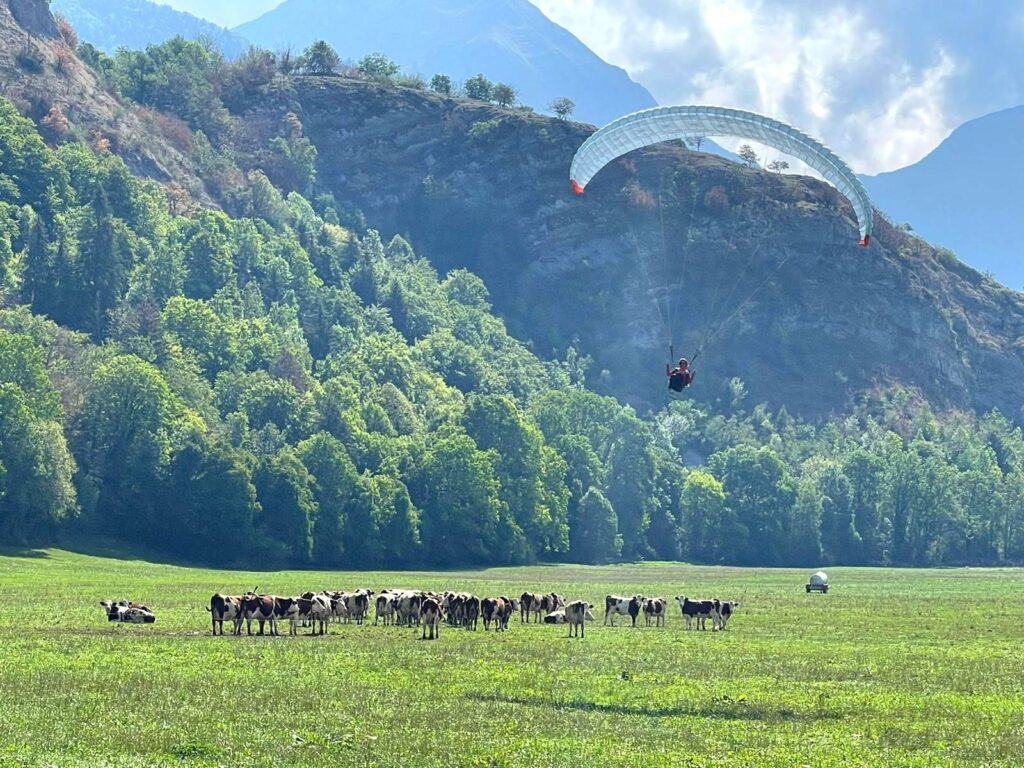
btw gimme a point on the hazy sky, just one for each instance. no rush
(227, 13)
(880, 81)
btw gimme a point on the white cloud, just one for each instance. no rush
(882, 84)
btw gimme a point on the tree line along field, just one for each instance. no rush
(891, 668)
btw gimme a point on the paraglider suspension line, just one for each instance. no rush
(713, 331)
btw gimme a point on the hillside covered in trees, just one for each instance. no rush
(230, 364)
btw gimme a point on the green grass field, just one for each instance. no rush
(891, 668)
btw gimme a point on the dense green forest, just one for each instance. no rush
(276, 383)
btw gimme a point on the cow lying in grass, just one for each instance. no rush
(558, 617)
(127, 612)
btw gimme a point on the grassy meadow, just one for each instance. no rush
(891, 668)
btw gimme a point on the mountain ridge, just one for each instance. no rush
(111, 24)
(965, 194)
(510, 41)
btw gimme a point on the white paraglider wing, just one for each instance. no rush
(652, 126)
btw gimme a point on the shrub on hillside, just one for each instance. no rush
(482, 129)
(30, 60)
(66, 30)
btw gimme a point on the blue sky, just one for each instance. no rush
(881, 81)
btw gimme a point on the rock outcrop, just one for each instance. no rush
(34, 17)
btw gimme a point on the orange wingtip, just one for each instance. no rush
(576, 186)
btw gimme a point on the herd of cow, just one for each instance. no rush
(407, 607)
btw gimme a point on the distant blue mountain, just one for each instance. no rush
(111, 24)
(509, 41)
(967, 195)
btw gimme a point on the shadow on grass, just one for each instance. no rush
(35, 554)
(719, 710)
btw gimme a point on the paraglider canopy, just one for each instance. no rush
(652, 126)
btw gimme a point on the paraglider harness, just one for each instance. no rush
(678, 379)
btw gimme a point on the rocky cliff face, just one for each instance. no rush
(483, 188)
(34, 17)
(39, 71)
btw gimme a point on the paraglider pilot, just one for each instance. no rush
(679, 377)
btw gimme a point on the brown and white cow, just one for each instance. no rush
(622, 606)
(576, 617)
(498, 610)
(226, 608)
(654, 609)
(529, 602)
(430, 614)
(549, 602)
(697, 610)
(262, 609)
(127, 612)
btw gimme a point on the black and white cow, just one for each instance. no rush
(724, 612)
(654, 609)
(226, 608)
(311, 608)
(622, 606)
(127, 612)
(430, 614)
(576, 614)
(358, 604)
(470, 612)
(407, 607)
(697, 610)
(386, 607)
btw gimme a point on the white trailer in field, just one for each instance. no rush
(818, 582)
